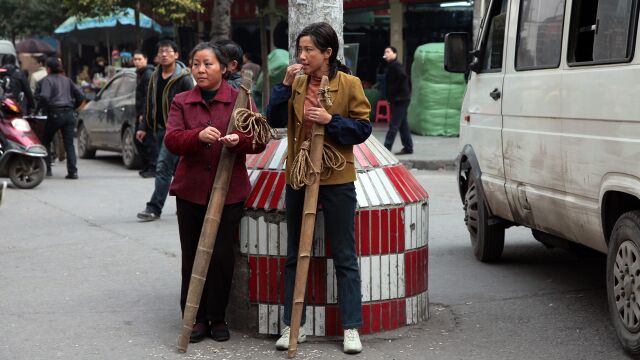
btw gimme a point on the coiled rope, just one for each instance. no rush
(254, 125)
(304, 173)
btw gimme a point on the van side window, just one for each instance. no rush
(539, 39)
(602, 32)
(494, 36)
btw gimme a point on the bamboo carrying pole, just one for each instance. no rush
(210, 226)
(309, 210)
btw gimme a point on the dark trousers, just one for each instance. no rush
(400, 123)
(61, 120)
(148, 150)
(165, 168)
(215, 295)
(339, 210)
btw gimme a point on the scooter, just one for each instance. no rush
(21, 153)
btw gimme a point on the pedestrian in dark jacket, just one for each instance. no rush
(171, 77)
(197, 131)
(21, 91)
(59, 97)
(399, 95)
(234, 53)
(147, 148)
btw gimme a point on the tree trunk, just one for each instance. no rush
(305, 12)
(138, 37)
(221, 20)
(266, 87)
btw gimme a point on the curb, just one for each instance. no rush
(428, 164)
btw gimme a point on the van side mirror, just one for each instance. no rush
(456, 52)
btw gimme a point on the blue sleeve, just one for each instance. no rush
(277, 109)
(347, 131)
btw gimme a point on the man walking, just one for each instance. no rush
(146, 148)
(59, 97)
(399, 95)
(171, 77)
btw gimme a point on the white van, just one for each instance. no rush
(550, 134)
(6, 47)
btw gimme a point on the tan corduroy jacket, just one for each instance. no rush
(349, 102)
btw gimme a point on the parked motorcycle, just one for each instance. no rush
(21, 153)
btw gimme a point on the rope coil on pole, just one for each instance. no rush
(254, 125)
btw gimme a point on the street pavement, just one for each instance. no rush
(81, 278)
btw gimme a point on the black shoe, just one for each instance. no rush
(49, 172)
(404, 152)
(220, 332)
(147, 174)
(199, 332)
(71, 176)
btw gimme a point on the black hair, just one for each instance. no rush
(140, 52)
(54, 65)
(395, 51)
(324, 37)
(167, 43)
(41, 59)
(217, 51)
(232, 50)
(9, 59)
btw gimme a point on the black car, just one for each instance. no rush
(108, 121)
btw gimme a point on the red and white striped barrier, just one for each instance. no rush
(391, 242)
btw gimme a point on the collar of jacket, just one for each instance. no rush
(179, 71)
(301, 89)
(223, 95)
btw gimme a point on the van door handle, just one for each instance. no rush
(495, 94)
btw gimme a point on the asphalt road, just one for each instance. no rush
(81, 278)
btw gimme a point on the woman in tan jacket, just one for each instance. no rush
(294, 104)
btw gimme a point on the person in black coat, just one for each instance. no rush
(399, 95)
(21, 91)
(147, 148)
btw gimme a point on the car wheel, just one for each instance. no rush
(26, 172)
(130, 156)
(487, 239)
(623, 280)
(85, 150)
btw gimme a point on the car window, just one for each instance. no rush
(110, 90)
(127, 86)
(539, 34)
(602, 31)
(494, 38)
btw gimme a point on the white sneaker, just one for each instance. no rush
(352, 344)
(283, 342)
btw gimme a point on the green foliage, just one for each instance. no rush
(175, 11)
(30, 17)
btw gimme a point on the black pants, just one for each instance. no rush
(61, 119)
(400, 123)
(148, 151)
(339, 209)
(215, 295)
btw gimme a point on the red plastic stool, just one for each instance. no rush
(386, 116)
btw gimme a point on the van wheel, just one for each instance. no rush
(623, 280)
(487, 239)
(85, 151)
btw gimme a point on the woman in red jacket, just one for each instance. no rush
(196, 131)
